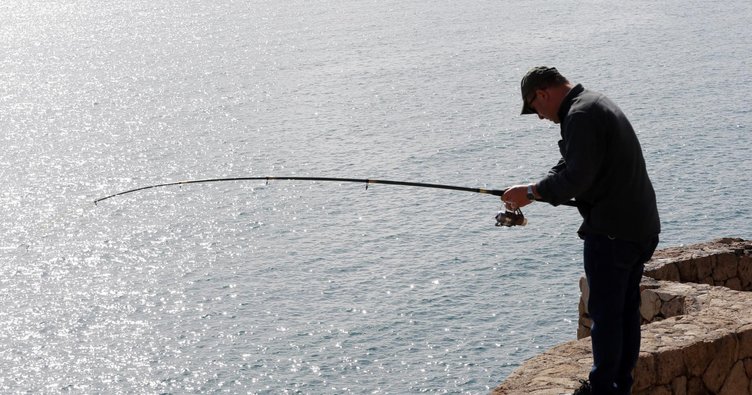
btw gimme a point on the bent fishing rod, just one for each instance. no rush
(506, 218)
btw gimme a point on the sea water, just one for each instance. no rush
(300, 287)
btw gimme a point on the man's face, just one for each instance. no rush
(543, 104)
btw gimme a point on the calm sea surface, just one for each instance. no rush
(299, 287)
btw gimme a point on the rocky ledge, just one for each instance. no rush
(697, 329)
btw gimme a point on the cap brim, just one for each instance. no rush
(526, 110)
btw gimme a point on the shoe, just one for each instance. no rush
(584, 388)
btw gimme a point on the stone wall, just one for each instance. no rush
(724, 262)
(697, 333)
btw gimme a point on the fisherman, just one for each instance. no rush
(603, 169)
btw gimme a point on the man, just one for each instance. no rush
(603, 169)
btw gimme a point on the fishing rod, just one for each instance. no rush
(507, 218)
(367, 181)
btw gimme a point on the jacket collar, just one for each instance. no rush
(566, 104)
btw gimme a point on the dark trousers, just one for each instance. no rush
(613, 269)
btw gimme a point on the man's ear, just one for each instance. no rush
(542, 93)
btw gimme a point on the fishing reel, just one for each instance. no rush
(510, 218)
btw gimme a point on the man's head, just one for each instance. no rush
(543, 89)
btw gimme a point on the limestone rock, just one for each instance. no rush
(745, 272)
(719, 367)
(669, 364)
(679, 385)
(650, 306)
(733, 283)
(644, 372)
(725, 268)
(705, 266)
(697, 357)
(745, 342)
(748, 367)
(687, 270)
(737, 381)
(696, 387)
(673, 307)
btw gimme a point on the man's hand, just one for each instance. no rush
(515, 197)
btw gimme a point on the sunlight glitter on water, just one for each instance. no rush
(304, 287)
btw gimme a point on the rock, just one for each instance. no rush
(737, 381)
(745, 342)
(679, 386)
(745, 272)
(726, 267)
(705, 267)
(650, 306)
(748, 368)
(669, 364)
(696, 387)
(666, 272)
(719, 367)
(673, 307)
(697, 357)
(644, 372)
(733, 283)
(660, 390)
(687, 270)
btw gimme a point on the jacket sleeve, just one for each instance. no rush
(558, 167)
(583, 148)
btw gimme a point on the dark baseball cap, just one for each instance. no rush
(536, 78)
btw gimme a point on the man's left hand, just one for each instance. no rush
(515, 197)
